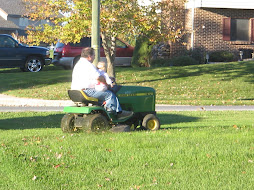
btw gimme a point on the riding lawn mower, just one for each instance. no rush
(90, 115)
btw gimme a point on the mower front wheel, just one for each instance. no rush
(151, 122)
(67, 123)
(95, 123)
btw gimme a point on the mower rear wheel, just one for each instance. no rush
(95, 123)
(151, 122)
(67, 123)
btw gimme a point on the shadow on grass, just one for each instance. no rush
(169, 119)
(54, 121)
(228, 70)
(18, 70)
(34, 122)
(13, 79)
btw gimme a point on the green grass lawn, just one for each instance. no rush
(193, 150)
(213, 84)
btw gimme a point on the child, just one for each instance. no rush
(102, 67)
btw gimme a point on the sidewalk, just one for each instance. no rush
(6, 100)
(11, 103)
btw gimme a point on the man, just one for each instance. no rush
(84, 77)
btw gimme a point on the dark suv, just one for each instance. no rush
(67, 55)
(28, 58)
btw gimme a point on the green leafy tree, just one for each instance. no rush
(125, 17)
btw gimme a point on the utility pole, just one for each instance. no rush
(96, 29)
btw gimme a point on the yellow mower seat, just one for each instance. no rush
(79, 97)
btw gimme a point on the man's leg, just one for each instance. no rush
(112, 103)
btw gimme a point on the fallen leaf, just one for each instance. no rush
(235, 126)
(34, 178)
(109, 150)
(57, 166)
(137, 187)
(58, 156)
(33, 159)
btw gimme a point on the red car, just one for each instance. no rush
(67, 55)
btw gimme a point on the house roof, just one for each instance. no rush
(5, 24)
(13, 7)
(230, 4)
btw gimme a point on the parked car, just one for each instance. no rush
(67, 55)
(27, 58)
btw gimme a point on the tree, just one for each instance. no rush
(125, 17)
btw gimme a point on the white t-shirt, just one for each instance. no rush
(84, 75)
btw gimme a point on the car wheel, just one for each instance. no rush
(67, 123)
(151, 122)
(33, 64)
(95, 123)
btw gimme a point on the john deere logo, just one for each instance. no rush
(136, 94)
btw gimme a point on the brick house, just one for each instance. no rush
(212, 25)
(12, 19)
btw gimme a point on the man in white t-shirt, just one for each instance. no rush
(84, 77)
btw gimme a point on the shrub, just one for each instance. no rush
(177, 61)
(222, 56)
(183, 61)
(197, 54)
(142, 52)
(160, 62)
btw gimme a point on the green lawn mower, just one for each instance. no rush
(89, 115)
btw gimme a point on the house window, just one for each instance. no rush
(238, 29)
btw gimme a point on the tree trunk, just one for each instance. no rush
(109, 46)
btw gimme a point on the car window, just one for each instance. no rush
(120, 44)
(59, 45)
(7, 42)
(84, 42)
